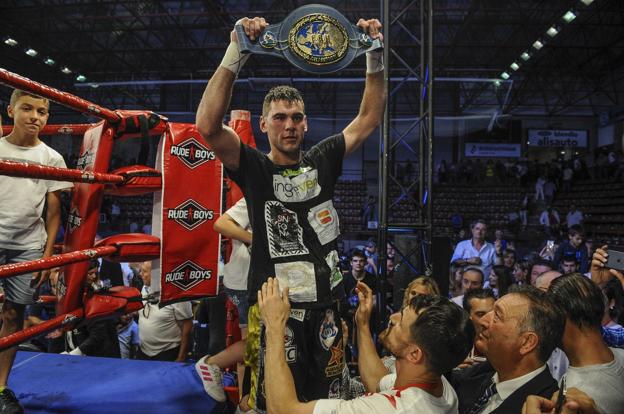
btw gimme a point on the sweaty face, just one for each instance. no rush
(285, 124)
(29, 114)
(471, 280)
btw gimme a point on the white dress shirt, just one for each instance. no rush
(506, 388)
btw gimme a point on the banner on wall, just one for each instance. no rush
(567, 138)
(484, 149)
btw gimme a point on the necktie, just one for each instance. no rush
(482, 402)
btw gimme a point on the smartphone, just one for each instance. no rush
(615, 259)
(550, 244)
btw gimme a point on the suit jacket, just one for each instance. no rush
(470, 384)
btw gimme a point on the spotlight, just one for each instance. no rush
(587, 2)
(538, 45)
(9, 41)
(552, 32)
(31, 52)
(514, 66)
(525, 56)
(504, 75)
(497, 83)
(569, 16)
(66, 70)
(81, 78)
(49, 62)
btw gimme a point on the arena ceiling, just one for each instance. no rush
(158, 54)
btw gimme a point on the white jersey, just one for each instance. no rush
(236, 270)
(392, 400)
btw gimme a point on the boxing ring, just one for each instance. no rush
(62, 383)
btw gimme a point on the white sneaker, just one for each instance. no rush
(212, 379)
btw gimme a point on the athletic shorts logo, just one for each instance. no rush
(190, 214)
(289, 347)
(187, 275)
(328, 330)
(336, 361)
(334, 389)
(192, 153)
(74, 220)
(302, 187)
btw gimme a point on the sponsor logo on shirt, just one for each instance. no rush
(334, 389)
(190, 214)
(192, 153)
(187, 275)
(294, 189)
(285, 236)
(298, 314)
(323, 218)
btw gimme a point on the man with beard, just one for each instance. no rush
(428, 337)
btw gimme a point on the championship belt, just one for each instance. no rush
(314, 38)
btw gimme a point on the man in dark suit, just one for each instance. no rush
(517, 337)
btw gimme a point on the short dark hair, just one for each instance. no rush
(94, 264)
(574, 230)
(580, 299)
(474, 269)
(614, 292)
(442, 330)
(477, 221)
(542, 262)
(358, 253)
(281, 93)
(569, 258)
(478, 293)
(544, 318)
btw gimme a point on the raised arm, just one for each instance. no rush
(216, 98)
(228, 227)
(374, 100)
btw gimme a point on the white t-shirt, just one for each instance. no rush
(603, 382)
(22, 199)
(395, 401)
(236, 270)
(159, 328)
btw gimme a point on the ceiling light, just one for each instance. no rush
(525, 56)
(66, 70)
(31, 52)
(504, 75)
(49, 62)
(587, 2)
(9, 41)
(538, 44)
(552, 32)
(569, 16)
(514, 66)
(81, 78)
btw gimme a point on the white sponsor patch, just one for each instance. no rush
(324, 220)
(284, 235)
(296, 189)
(298, 314)
(299, 277)
(335, 276)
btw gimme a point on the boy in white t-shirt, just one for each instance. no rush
(428, 337)
(25, 234)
